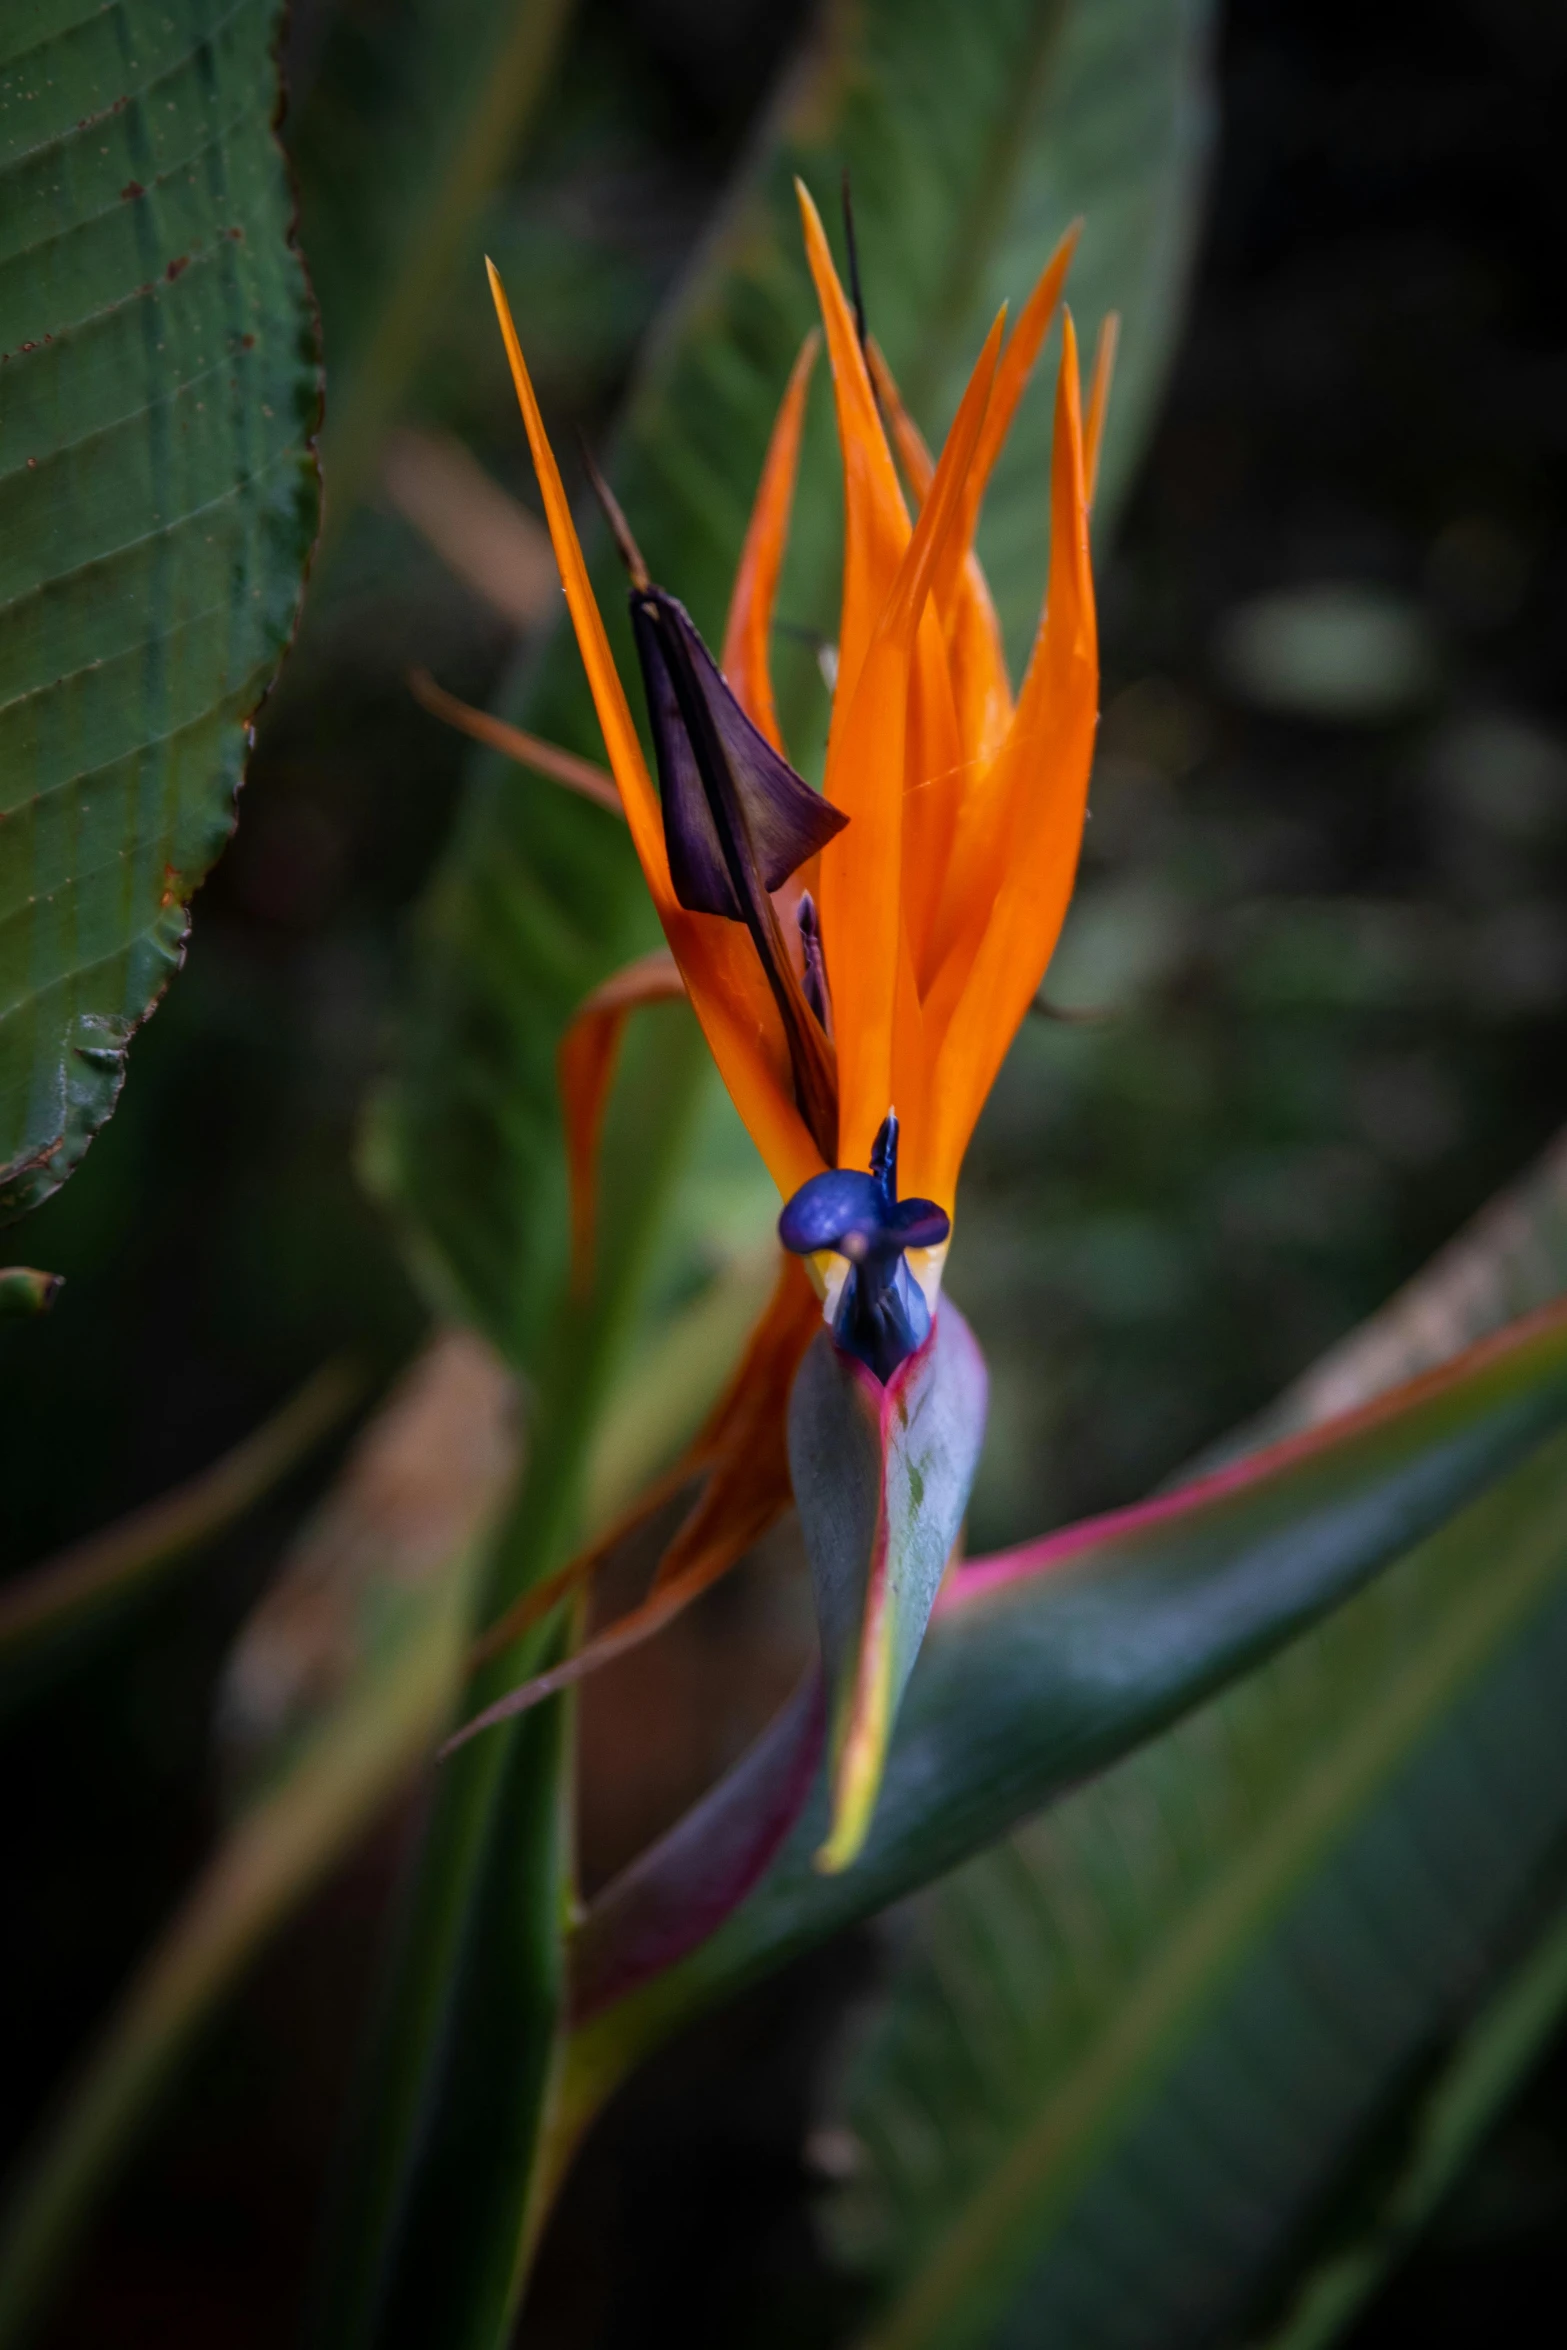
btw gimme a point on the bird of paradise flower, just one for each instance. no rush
(859, 961)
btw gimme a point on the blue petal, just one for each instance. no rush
(919, 1223)
(831, 1208)
(881, 1315)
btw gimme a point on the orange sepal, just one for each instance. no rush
(862, 914)
(1038, 800)
(744, 1443)
(1099, 398)
(588, 781)
(875, 519)
(976, 656)
(744, 1434)
(1017, 363)
(609, 699)
(746, 660)
(722, 974)
(585, 1066)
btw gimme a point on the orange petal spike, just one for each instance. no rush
(540, 1599)
(1017, 364)
(586, 1066)
(723, 977)
(1042, 792)
(976, 656)
(1099, 397)
(529, 750)
(746, 660)
(935, 771)
(980, 682)
(745, 1036)
(876, 521)
(919, 466)
(745, 1436)
(862, 918)
(627, 1632)
(941, 513)
(766, 1370)
(708, 1562)
(609, 699)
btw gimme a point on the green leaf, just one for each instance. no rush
(438, 2209)
(1474, 2087)
(1384, 1806)
(336, 1692)
(974, 136)
(158, 502)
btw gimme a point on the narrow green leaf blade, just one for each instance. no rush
(158, 502)
(1487, 2067)
(48, 1607)
(442, 2171)
(335, 1695)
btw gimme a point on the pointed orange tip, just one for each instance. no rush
(811, 217)
(582, 776)
(1071, 369)
(1099, 398)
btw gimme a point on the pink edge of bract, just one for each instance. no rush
(678, 1892)
(979, 1577)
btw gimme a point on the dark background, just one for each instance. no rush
(1335, 943)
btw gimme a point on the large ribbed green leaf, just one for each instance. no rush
(158, 390)
(1175, 2015)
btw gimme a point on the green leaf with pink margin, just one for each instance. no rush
(1042, 1666)
(882, 1477)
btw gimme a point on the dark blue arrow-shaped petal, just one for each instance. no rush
(731, 802)
(882, 1315)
